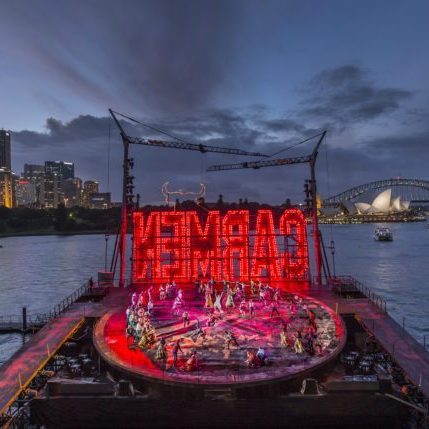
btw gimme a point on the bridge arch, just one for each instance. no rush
(352, 193)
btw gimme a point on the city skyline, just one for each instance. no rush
(254, 77)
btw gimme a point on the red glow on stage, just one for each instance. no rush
(185, 245)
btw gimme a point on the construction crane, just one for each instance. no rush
(310, 159)
(128, 185)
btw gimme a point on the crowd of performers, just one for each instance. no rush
(219, 299)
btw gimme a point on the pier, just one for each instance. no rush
(28, 322)
(18, 372)
(409, 354)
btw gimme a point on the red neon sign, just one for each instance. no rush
(185, 245)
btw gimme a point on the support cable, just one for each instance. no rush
(294, 145)
(151, 127)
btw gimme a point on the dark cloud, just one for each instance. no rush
(156, 55)
(339, 95)
(345, 95)
(277, 125)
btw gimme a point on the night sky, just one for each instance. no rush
(260, 75)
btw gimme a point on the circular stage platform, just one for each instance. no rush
(218, 365)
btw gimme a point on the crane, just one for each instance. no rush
(127, 182)
(310, 159)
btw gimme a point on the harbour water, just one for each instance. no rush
(39, 271)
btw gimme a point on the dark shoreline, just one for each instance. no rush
(41, 233)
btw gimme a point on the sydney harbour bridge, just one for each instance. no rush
(414, 190)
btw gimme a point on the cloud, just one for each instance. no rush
(85, 140)
(345, 96)
(159, 56)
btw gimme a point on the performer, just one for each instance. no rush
(192, 362)
(185, 318)
(243, 289)
(243, 308)
(238, 291)
(274, 309)
(161, 293)
(134, 299)
(312, 319)
(177, 305)
(144, 340)
(197, 287)
(298, 344)
(168, 291)
(149, 293)
(209, 301)
(251, 308)
(276, 296)
(285, 341)
(252, 287)
(161, 351)
(262, 293)
(212, 319)
(309, 344)
(218, 302)
(141, 300)
(229, 339)
(198, 332)
(229, 298)
(262, 356)
(176, 350)
(150, 307)
(252, 360)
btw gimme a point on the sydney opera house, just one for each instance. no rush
(383, 204)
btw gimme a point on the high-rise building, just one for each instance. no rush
(64, 170)
(100, 200)
(89, 187)
(72, 190)
(55, 173)
(25, 193)
(35, 174)
(6, 188)
(5, 151)
(53, 192)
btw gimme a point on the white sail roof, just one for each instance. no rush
(381, 203)
(396, 204)
(362, 208)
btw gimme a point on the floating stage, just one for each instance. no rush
(220, 367)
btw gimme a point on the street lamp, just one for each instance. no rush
(106, 237)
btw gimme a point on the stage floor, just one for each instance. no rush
(216, 364)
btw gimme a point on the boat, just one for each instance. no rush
(383, 234)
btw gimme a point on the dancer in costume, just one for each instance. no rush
(208, 294)
(185, 318)
(218, 302)
(192, 362)
(298, 344)
(229, 339)
(161, 293)
(243, 308)
(229, 298)
(161, 351)
(251, 308)
(274, 309)
(176, 350)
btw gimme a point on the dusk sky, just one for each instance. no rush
(259, 75)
